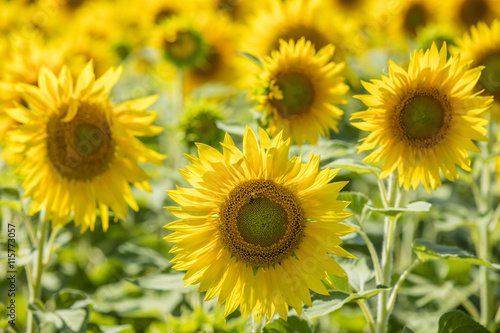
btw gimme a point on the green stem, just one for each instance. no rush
(381, 188)
(483, 246)
(368, 315)
(37, 280)
(398, 284)
(257, 326)
(373, 254)
(52, 238)
(467, 304)
(387, 249)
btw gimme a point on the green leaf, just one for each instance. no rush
(407, 330)
(324, 304)
(354, 166)
(117, 329)
(252, 58)
(417, 206)
(359, 271)
(71, 299)
(162, 281)
(293, 325)
(340, 283)
(63, 320)
(358, 201)
(426, 250)
(459, 322)
(14, 204)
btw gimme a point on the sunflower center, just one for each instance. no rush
(473, 11)
(423, 117)
(164, 13)
(261, 222)
(416, 16)
(83, 147)
(298, 95)
(296, 32)
(210, 66)
(184, 48)
(490, 77)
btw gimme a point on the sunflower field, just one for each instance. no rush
(237, 166)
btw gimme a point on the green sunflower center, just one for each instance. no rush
(473, 11)
(83, 147)
(490, 76)
(187, 48)
(423, 117)
(415, 17)
(298, 94)
(261, 222)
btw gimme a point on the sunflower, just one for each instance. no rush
(181, 42)
(221, 64)
(297, 91)
(482, 48)
(466, 13)
(291, 20)
(407, 18)
(256, 229)
(80, 150)
(199, 123)
(424, 120)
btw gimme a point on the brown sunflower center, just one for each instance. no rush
(298, 94)
(164, 13)
(423, 117)
(261, 222)
(415, 17)
(298, 31)
(473, 11)
(83, 147)
(490, 76)
(210, 66)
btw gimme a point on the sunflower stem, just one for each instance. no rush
(387, 249)
(36, 291)
(368, 315)
(483, 245)
(373, 254)
(398, 285)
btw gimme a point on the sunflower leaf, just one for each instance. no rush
(358, 201)
(426, 251)
(162, 281)
(354, 166)
(252, 58)
(293, 324)
(458, 322)
(417, 206)
(14, 204)
(324, 304)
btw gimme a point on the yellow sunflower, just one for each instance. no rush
(256, 229)
(181, 42)
(298, 90)
(482, 48)
(80, 150)
(424, 120)
(222, 63)
(466, 13)
(290, 20)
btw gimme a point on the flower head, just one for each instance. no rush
(298, 90)
(256, 228)
(80, 151)
(423, 120)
